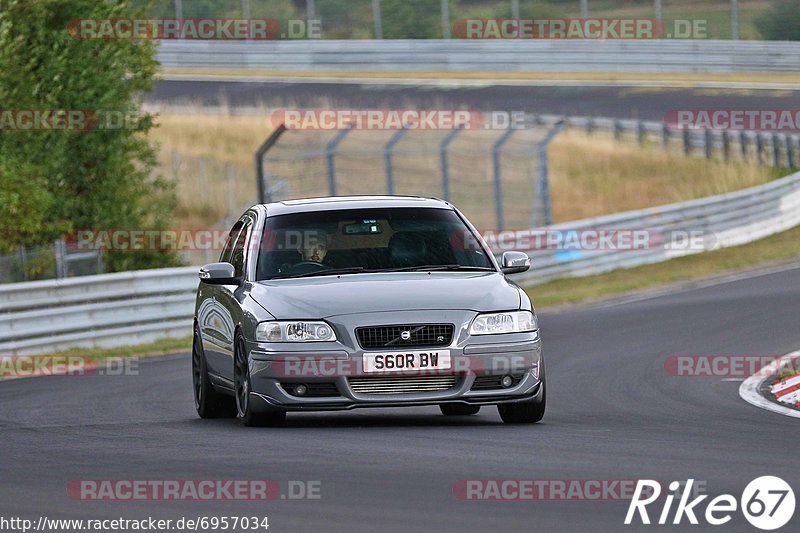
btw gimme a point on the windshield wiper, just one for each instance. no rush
(329, 272)
(426, 268)
(358, 269)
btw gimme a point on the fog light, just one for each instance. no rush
(507, 381)
(300, 390)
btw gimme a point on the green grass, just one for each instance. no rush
(782, 247)
(87, 356)
(150, 349)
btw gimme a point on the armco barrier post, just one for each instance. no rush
(498, 185)
(545, 217)
(743, 144)
(387, 158)
(444, 162)
(330, 154)
(726, 145)
(264, 195)
(776, 151)
(231, 189)
(759, 148)
(376, 18)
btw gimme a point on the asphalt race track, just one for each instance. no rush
(602, 101)
(614, 413)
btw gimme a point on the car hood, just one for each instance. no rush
(326, 296)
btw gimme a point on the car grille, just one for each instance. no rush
(315, 389)
(402, 385)
(420, 335)
(493, 382)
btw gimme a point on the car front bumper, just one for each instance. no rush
(473, 379)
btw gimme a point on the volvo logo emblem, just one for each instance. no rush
(406, 335)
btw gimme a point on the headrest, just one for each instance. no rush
(407, 249)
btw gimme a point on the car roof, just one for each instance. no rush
(334, 203)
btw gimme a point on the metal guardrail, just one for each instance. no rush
(139, 306)
(96, 311)
(778, 149)
(720, 221)
(558, 55)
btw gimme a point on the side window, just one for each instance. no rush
(238, 256)
(225, 256)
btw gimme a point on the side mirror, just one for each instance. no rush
(218, 274)
(515, 262)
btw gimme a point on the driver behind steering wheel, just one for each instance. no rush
(315, 248)
(311, 250)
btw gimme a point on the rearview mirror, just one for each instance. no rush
(515, 262)
(219, 274)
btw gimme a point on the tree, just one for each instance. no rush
(98, 177)
(26, 205)
(781, 22)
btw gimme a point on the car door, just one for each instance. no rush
(230, 297)
(215, 315)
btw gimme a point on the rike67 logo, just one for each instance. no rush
(767, 503)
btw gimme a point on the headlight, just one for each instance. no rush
(512, 322)
(294, 331)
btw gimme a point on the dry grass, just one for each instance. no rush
(224, 137)
(590, 175)
(193, 150)
(596, 175)
(779, 249)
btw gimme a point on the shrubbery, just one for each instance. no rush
(781, 22)
(67, 178)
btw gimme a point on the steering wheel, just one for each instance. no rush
(308, 266)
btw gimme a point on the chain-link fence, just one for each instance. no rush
(494, 176)
(208, 190)
(49, 261)
(211, 194)
(436, 19)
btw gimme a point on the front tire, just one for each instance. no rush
(459, 409)
(527, 412)
(208, 402)
(245, 411)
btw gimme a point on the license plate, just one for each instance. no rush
(407, 361)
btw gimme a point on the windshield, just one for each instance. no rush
(368, 240)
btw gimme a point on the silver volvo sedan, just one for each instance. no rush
(363, 301)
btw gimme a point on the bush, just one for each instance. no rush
(88, 179)
(781, 22)
(26, 205)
